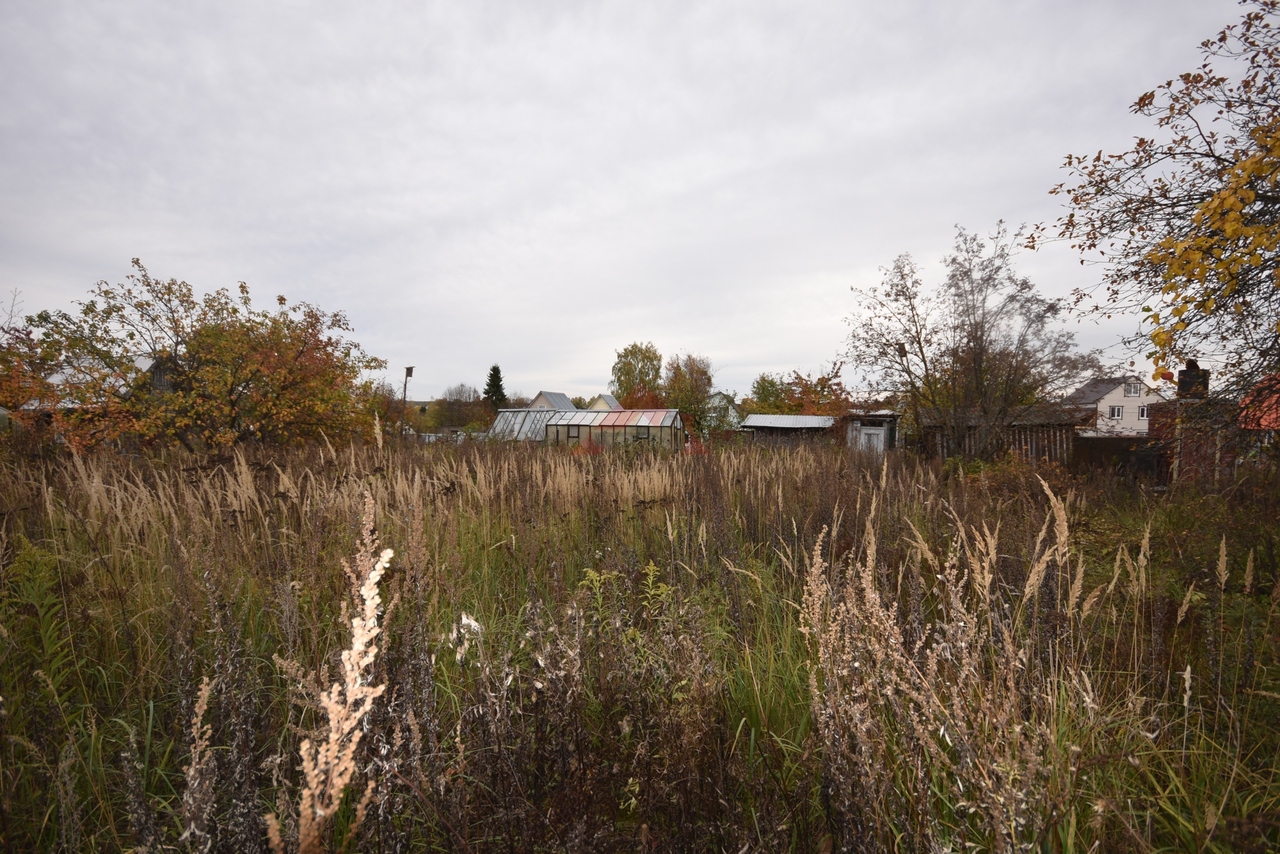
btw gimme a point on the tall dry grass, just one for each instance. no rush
(744, 650)
(965, 709)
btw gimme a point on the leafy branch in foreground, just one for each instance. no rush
(1188, 221)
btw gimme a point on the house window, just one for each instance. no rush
(1142, 413)
(1115, 412)
(1133, 389)
(573, 431)
(642, 432)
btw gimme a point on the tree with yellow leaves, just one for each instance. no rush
(1188, 223)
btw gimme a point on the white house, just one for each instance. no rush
(723, 412)
(1118, 405)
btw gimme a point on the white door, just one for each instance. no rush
(873, 439)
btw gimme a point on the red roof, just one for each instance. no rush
(1261, 406)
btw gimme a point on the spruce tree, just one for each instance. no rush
(493, 390)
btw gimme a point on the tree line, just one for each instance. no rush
(1185, 224)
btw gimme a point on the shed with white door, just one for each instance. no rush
(873, 430)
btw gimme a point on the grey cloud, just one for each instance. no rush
(540, 184)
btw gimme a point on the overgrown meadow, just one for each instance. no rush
(742, 650)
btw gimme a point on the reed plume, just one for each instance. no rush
(328, 767)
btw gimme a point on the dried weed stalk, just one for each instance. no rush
(142, 818)
(327, 768)
(945, 741)
(201, 774)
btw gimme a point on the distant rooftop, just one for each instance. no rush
(555, 400)
(1096, 389)
(789, 422)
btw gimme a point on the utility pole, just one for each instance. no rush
(404, 399)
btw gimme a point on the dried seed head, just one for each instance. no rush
(1222, 564)
(1186, 603)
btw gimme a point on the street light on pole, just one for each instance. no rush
(404, 398)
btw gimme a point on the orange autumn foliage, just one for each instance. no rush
(150, 360)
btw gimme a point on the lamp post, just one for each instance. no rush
(404, 399)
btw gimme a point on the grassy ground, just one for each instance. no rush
(742, 650)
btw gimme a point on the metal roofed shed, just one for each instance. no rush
(871, 429)
(789, 422)
(662, 428)
(786, 429)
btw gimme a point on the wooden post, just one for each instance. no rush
(404, 399)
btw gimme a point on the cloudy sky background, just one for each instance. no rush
(540, 184)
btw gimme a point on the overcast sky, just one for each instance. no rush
(540, 184)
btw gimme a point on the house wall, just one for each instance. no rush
(540, 402)
(1130, 423)
(720, 407)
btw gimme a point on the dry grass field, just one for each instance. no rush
(742, 650)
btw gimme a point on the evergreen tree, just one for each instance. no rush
(493, 390)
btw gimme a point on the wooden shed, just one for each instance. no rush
(788, 429)
(873, 429)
